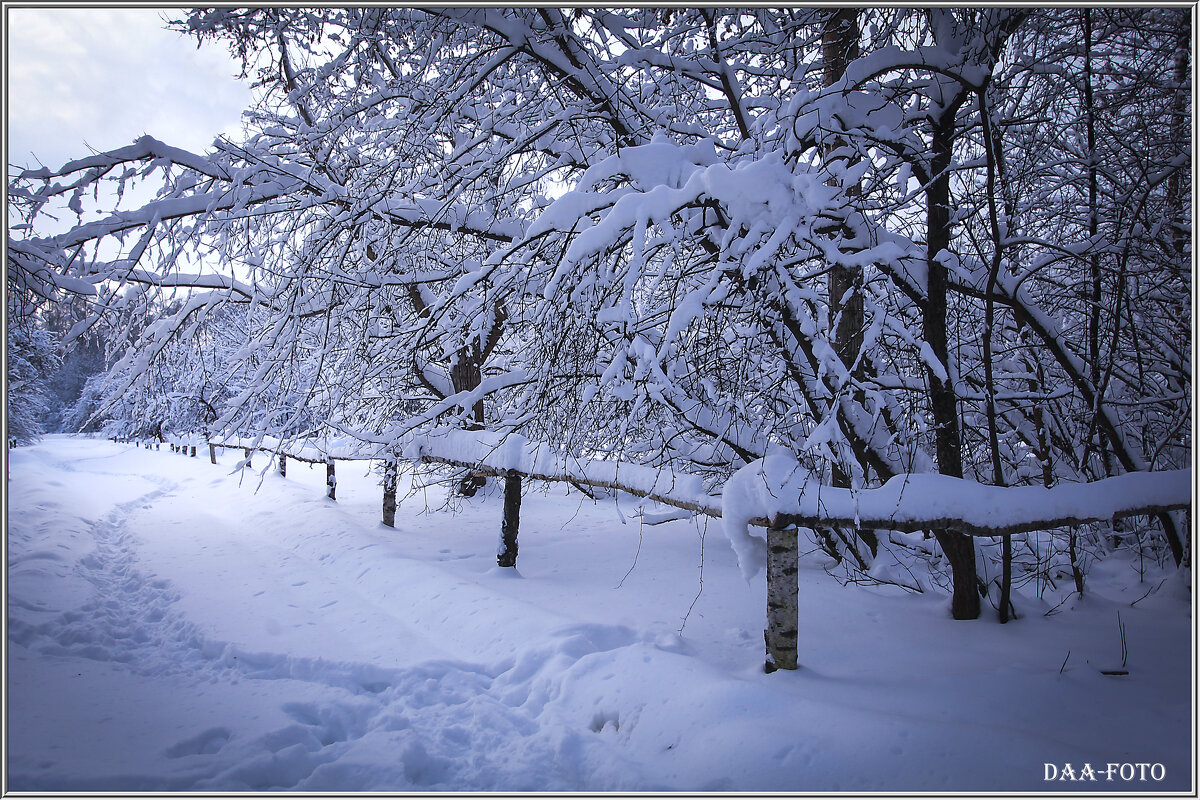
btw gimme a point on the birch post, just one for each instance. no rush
(330, 479)
(782, 596)
(389, 492)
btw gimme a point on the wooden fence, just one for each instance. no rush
(1084, 503)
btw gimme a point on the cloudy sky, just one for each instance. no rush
(103, 77)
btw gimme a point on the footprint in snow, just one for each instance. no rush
(204, 743)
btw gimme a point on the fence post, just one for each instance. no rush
(330, 479)
(389, 492)
(246, 452)
(193, 451)
(511, 524)
(212, 452)
(782, 596)
(282, 465)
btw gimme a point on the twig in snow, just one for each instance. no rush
(635, 558)
(1149, 592)
(700, 590)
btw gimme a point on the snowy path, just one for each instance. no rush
(170, 629)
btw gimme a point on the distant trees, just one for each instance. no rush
(890, 241)
(31, 360)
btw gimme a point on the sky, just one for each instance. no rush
(99, 78)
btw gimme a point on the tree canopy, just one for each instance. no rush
(886, 242)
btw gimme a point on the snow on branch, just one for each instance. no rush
(145, 148)
(778, 488)
(492, 453)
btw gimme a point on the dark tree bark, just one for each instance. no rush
(330, 479)
(1093, 187)
(839, 46)
(465, 376)
(959, 549)
(839, 41)
(466, 373)
(994, 147)
(282, 465)
(511, 524)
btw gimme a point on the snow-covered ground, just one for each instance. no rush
(173, 626)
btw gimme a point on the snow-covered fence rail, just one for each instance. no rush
(484, 454)
(314, 452)
(779, 494)
(776, 493)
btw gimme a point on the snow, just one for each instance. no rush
(778, 485)
(173, 626)
(756, 490)
(507, 451)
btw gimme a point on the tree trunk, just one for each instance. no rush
(389, 493)
(1076, 570)
(959, 549)
(510, 526)
(783, 589)
(193, 451)
(246, 451)
(1007, 609)
(1093, 183)
(282, 465)
(994, 144)
(330, 479)
(839, 40)
(466, 376)
(839, 46)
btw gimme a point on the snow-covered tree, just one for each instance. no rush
(31, 359)
(885, 242)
